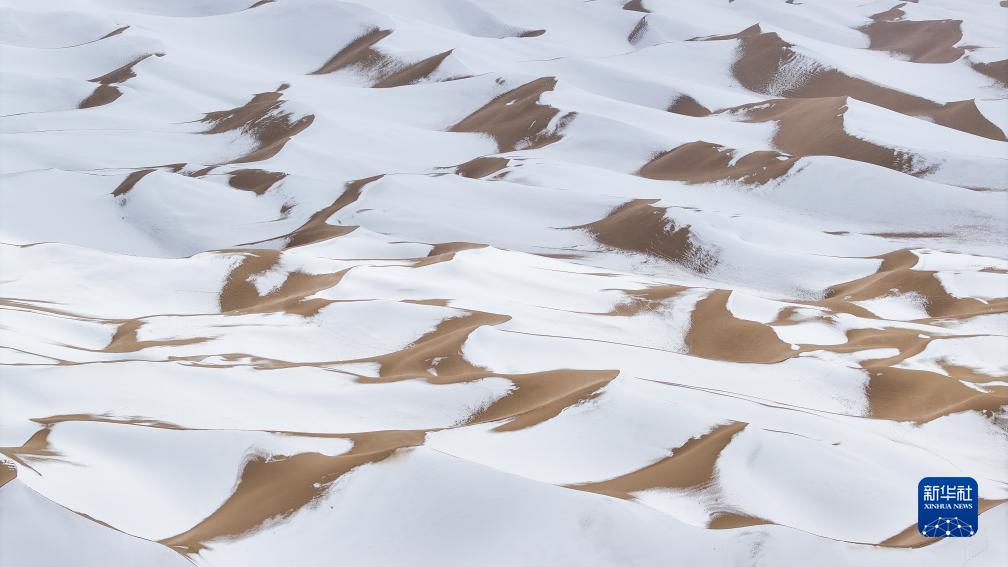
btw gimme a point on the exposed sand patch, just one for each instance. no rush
(815, 126)
(481, 167)
(37, 446)
(997, 70)
(106, 91)
(516, 119)
(896, 275)
(638, 226)
(385, 71)
(688, 106)
(445, 252)
(635, 6)
(717, 334)
(767, 64)
(437, 358)
(133, 178)
(644, 300)
(125, 339)
(316, 229)
(928, 41)
(732, 520)
(263, 119)
(357, 52)
(704, 162)
(8, 472)
(412, 73)
(691, 465)
(239, 294)
(257, 181)
(274, 489)
(103, 94)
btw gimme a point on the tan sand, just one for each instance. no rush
(257, 181)
(412, 73)
(125, 339)
(997, 70)
(102, 95)
(704, 162)
(515, 119)
(240, 296)
(716, 334)
(263, 119)
(8, 472)
(357, 52)
(274, 489)
(688, 106)
(929, 41)
(689, 466)
(638, 226)
(316, 229)
(762, 55)
(133, 178)
(481, 167)
(635, 6)
(445, 252)
(645, 300)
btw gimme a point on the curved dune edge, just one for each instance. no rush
(763, 55)
(357, 53)
(239, 295)
(437, 358)
(272, 489)
(516, 120)
(261, 118)
(704, 162)
(635, 6)
(384, 70)
(107, 90)
(926, 41)
(105, 254)
(689, 466)
(715, 333)
(481, 167)
(315, 229)
(257, 181)
(688, 106)
(893, 393)
(8, 472)
(639, 226)
(815, 127)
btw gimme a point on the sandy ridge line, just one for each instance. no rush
(385, 71)
(262, 118)
(516, 120)
(893, 393)
(921, 41)
(763, 56)
(107, 91)
(639, 226)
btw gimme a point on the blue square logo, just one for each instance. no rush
(947, 506)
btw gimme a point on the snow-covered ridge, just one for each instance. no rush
(480, 282)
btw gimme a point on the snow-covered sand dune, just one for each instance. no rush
(487, 282)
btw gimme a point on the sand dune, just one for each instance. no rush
(920, 41)
(461, 282)
(767, 64)
(515, 119)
